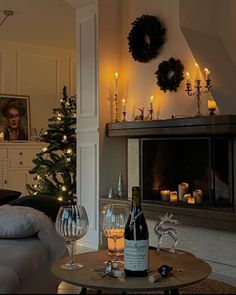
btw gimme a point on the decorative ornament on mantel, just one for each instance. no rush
(198, 88)
(170, 74)
(120, 187)
(146, 38)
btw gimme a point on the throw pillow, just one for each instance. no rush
(46, 204)
(7, 195)
(16, 223)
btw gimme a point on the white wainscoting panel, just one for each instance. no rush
(72, 76)
(1, 71)
(88, 123)
(87, 187)
(38, 77)
(87, 61)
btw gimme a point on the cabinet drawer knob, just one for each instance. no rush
(20, 153)
(21, 162)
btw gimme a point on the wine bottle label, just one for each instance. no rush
(136, 255)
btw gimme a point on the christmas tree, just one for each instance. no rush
(55, 165)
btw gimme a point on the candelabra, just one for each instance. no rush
(124, 114)
(198, 92)
(150, 113)
(116, 109)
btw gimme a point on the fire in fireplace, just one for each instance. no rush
(187, 171)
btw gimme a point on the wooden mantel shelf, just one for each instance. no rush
(209, 125)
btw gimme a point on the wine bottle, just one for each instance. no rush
(136, 239)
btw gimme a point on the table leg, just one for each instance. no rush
(83, 291)
(174, 291)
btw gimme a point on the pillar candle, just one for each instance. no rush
(165, 195)
(182, 190)
(1, 136)
(173, 197)
(185, 198)
(211, 104)
(197, 194)
(191, 200)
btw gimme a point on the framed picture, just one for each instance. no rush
(14, 117)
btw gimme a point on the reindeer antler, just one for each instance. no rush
(169, 218)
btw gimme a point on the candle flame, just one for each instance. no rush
(151, 98)
(207, 71)
(116, 75)
(123, 100)
(187, 74)
(196, 65)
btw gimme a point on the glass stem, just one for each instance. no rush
(72, 253)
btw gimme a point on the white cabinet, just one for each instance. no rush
(15, 163)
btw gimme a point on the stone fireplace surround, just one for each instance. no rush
(209, 234)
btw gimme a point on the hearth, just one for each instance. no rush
(182, 162)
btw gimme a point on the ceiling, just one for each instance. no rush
(49, 23)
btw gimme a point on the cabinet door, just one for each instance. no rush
(3, 174)
(18, 179)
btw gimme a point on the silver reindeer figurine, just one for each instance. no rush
(161, 232)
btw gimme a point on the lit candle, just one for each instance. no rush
(123, 106)
(151, 103)
(165, 195)
(207, 74)
(211, 105)
(116, 83)
(186, 197)
(191, 200)
(188, 81)
(197, 74)
(1, 136)
(197, 194)
(182, 190)
(173, 197)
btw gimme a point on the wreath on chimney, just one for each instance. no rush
(146, 38)
(170, 74)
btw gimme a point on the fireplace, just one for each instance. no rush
(187, 171)
(182, 162)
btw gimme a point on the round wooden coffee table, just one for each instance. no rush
(194, 270)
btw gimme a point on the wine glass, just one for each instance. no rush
(113, 225)
(71, 224)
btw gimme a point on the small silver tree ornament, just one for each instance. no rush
(161, 232)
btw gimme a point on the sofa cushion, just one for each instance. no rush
(7, 195)
(47, 204)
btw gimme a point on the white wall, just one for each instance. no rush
(140, 77)
(41, 73)
(210, 34)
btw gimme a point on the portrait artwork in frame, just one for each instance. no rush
(14, 117)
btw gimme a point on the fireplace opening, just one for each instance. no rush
(187, 171)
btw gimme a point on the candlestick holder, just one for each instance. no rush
(211, 111)
(116, 109)
(150, 113)
(124, 115)
(198, 92)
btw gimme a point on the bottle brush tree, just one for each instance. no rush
(55, 165)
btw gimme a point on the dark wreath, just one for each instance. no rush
(146, 38)
(170, 74)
